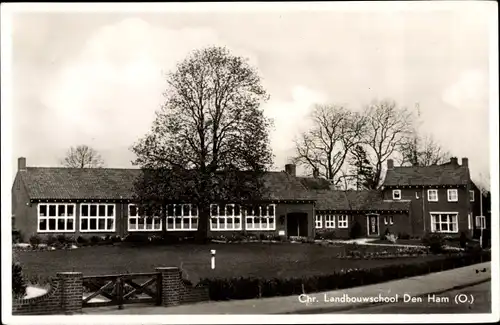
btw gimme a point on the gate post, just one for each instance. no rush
(170, 285)
(71, 289)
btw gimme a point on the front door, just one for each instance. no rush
(372, 225)
(296, 225)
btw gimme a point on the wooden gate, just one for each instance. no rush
(121, 289)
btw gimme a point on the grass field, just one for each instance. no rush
(232, 260)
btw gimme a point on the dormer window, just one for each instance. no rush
(453, 195)
(396, 194)
(432, 195)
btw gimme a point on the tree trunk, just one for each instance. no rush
(203, 223)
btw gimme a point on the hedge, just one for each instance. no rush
(251, 288)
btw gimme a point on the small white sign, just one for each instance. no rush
(281, 233)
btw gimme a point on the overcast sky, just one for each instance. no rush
(96, 79)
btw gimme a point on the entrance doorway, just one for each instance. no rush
(372, 224)
(296, 225)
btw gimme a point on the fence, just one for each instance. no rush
(163, 287)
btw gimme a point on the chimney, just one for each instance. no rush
(290, 169)
(315, 173)
(21, 164)
(465, 162)
(390, 164)
(454, 160)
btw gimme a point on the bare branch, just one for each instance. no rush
(82, 156)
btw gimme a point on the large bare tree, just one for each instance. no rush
(335, 131)
(422, 150)
(82, 156)
(387, 127)
(210, 141)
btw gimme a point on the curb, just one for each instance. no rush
(323, 310)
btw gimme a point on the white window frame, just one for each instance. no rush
(330, 221)
(191, 218)
(56, 217)
(137, 216)
(449, 221)
(341, 223)
(429, 195)
(223, 218)
(266, 220)
(471, 196)
(452, 191)
(480, 222)
(389, 220)
(318, 221)
(394, 192)
(97, 217)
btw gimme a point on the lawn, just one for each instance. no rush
(232, 260)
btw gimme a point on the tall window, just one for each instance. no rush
(432, 195)
(396, 194)
(444, 222)
(182, 217)
(97, 217)
(471, 196)
(225, 217)
(141, 220)
(318, 221)
(342, 221)
(329, 221)
(56, 217)
(453, 195)
(260, 217)
(480, 222)
(389, 220)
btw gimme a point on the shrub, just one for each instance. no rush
(329, 234)
(51, 240)
(82, 241)
(251, 288)
(116, 239)
(356, 230)
(463, 240)
(61, 239)
(16, 236)
(18, 280)
(94, 240)
(385, 234)
(35, 240)
(403, 235)
(435, 242)
(392, 238)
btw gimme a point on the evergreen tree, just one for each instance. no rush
(360, 166)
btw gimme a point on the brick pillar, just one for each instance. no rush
(71, 289)
(171, 285)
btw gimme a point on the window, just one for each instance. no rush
(141, 220)
(56, 217)
(444, 222)
(225, 217)
(480, 222)
(182, 217)
(432, 195)
(396, 194)
(261, 217)
(95, 217)
(452, 195)
(318, 221)
(469, 221)
(329, 221)
(389, 220)
(342, 221)
(471, 196)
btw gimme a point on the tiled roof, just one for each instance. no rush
(111, 183)
(317, 183)
(446, 174)
(357, 200)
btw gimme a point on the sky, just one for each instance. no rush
(96, 78)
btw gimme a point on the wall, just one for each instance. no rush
(25, 214)
(421, 208)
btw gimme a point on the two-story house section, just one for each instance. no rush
(440, 196)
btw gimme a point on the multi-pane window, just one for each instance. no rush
(329, 221)
(56, 217)
(389, 220)
(95, 217)
(444, 222)
(318, 221)
(480, 222)
(342, 221)
(260, 217)
(182, 217)
(471, 196)
(225, 217)
(432, 195)
(139, 219)
(396, 194)
(453, 195)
